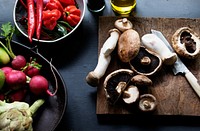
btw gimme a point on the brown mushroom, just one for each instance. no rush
(128, 45)
(147, 102)
(146, 68)
(141, 80)
(130, 94)
(186, 43)
(115, 83)
(123, 24)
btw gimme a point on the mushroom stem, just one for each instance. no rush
(104, 58)
(133, 93)
(153, 43)
(111, 42)
(146, 104)
(145, 60)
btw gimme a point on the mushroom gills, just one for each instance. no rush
(147, 102)
(115, 83)
(186, 43)
(154, 62)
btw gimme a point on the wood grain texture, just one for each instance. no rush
(174, 94)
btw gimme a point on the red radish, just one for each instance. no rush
(2, 97)
(18, 95)
(32, 71)
(33, 68)
(16, 79)
(18, 62)
(6, 69)
(39, 85)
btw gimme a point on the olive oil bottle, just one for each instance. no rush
(123, 6)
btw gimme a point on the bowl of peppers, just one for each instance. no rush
(48, 21)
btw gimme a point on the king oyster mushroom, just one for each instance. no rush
(118, 82)
(146, 62)
(155, 44)
(186, 43)
(104, 58)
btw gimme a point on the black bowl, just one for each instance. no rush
(51, 112)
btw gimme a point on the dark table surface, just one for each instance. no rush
(77, 55)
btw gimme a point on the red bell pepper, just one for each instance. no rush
(54, 4)
(67, 2)
(50, 18)
(72, 15)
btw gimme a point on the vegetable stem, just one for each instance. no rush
(8, 32)
(5, 48)
(34, 107)
(67, 24)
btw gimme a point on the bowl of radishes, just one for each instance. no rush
(25, 75)
(48, 21)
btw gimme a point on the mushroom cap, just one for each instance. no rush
(123, 24)
(114, 83)
(128, 45)
(147, 102)
(141, 80)
(146, 69)
(186, 43)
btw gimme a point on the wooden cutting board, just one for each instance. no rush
(175, 96)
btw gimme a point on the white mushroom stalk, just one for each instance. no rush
(104, 59)
(153, 43)
(133, 94)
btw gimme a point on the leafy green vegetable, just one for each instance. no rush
(8, 31)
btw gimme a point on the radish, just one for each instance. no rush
(18, 62)
(2, 97)
(8, 31)
(6, 69)
(39, 85)
(32, 68)
(16, 79)
(17, 95)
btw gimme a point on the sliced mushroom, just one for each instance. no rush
(186, 43)
(141, 80)
(123, 24)
(131, 94)
(147, 102)
(115, 83)
(149, 66)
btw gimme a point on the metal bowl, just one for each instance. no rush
(20, 12)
